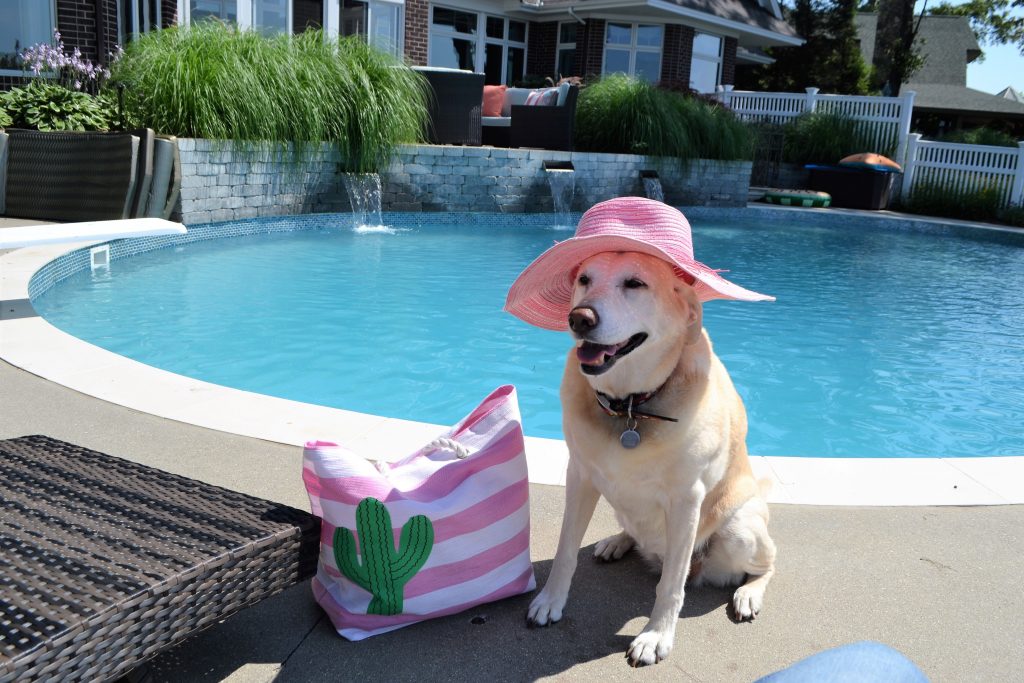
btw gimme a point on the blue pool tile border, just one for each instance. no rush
(754, 216)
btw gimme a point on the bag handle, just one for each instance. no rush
(444, 443)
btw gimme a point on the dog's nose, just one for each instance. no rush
(582, 320)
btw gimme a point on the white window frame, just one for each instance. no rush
(53, 14)
(138, 8)
(244, 11)
(716, 59)
(481, 37)
(632, 46)
(559, 46)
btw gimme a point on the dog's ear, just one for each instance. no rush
(694, 313)
(695, 323)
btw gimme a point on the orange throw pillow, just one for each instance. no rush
(494, 97)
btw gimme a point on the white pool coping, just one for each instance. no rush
(30, 343)
(60, 233)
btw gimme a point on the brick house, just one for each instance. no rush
(693, 43)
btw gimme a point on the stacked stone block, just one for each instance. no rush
(223, 183)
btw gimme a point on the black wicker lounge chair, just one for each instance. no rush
(71, 176)
(455, 105)
(104, 563)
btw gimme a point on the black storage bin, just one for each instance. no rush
(853, 188)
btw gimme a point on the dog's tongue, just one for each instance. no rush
(594, 354)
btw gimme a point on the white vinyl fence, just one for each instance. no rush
(886, 119)
(965, 168)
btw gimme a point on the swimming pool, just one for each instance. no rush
(881, 344)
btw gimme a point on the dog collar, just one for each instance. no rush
(626, 407)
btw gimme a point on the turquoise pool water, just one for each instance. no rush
(881, 343)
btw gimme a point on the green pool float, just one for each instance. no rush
(798, 198)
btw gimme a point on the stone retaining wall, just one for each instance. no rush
(220, 182)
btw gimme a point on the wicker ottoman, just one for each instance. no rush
(104, 563)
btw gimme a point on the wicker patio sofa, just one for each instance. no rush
(541, 126)
(454, 106)
(104, 563)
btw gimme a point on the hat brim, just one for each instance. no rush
(542, 294)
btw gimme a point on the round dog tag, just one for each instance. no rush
(630, 438)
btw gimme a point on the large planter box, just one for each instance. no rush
(853, 188)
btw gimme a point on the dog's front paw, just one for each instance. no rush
(546, 608)
(650, 647)
(747, 601)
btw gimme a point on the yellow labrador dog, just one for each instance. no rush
(651, 418)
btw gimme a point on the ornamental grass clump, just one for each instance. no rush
(620, 114)
(214, 81)
(983, 203)
(825, 138)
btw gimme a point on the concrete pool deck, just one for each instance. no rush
(938, 583)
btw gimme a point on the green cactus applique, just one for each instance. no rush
(383, 572)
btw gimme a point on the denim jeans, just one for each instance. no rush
(863, 662)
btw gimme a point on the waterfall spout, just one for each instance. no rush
(364, 194)
(562, 181)
(652, 185)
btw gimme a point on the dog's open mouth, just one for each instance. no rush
(597, 358)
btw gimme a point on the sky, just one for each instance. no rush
(1002, 66)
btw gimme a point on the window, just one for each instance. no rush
(267, 16)
(386, 27)
(354, 15)
(565, 57)
(378, 21)
(633, 49)
(271, 16)
(706, 63)
(452, 39)
(135, 17)
(505, 51)
(492, 44)
(23, 23)
(226, 10)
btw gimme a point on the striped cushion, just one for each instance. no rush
(442, 533)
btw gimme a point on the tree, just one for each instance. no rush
(830, 59)
(995, 22)
(896, 58)
(843, 59)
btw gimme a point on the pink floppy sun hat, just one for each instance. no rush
(542, 293)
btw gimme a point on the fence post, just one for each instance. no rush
(1017, 193)
(909, 165)
(725, 94)
(906, 112)
(812, 99)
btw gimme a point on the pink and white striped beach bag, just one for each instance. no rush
(443, 530)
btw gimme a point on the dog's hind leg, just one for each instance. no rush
(614, 547)
(742, 549)
(580, 500)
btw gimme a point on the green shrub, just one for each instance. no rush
(937, 199)
(980, 136)
(5, 118)
(624, 115)
(1012, 215)
(46, 106)
(825, 138)
(218, 82)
